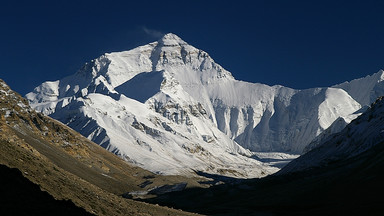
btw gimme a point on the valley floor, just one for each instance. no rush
(346, 187)
(275, 159)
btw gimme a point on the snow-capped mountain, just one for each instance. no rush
(344, 176)
(361, 135)
(168, 107)
(68, 167)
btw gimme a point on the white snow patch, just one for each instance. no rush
(336, 104)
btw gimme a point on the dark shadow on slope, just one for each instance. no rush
(346, 187)
(142, 86)
(217, 179)
(274, 162)
(279, 163)
(269, 160)
(19, 196)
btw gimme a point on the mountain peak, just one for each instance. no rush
(171, 39)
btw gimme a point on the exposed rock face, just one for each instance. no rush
(180, 92)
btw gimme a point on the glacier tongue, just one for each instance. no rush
(170, 108)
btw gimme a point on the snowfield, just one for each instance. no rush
(169, 108)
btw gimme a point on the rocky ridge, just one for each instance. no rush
(170, 108)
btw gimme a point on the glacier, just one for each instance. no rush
(170, 108)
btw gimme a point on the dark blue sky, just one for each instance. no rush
(299, 44)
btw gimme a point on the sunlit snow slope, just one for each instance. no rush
(358, 137)
(168, 107)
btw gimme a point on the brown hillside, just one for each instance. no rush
(69, 166)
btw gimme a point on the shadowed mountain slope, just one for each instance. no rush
(19, 196)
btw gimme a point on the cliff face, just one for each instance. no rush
(170, 108)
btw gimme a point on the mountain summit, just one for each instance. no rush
(134, 104)
(171, 39)
(170, 108)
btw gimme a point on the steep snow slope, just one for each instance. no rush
(169, 107)
(362, 134)
(365, 90)
(129, 104)
(338, 125)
